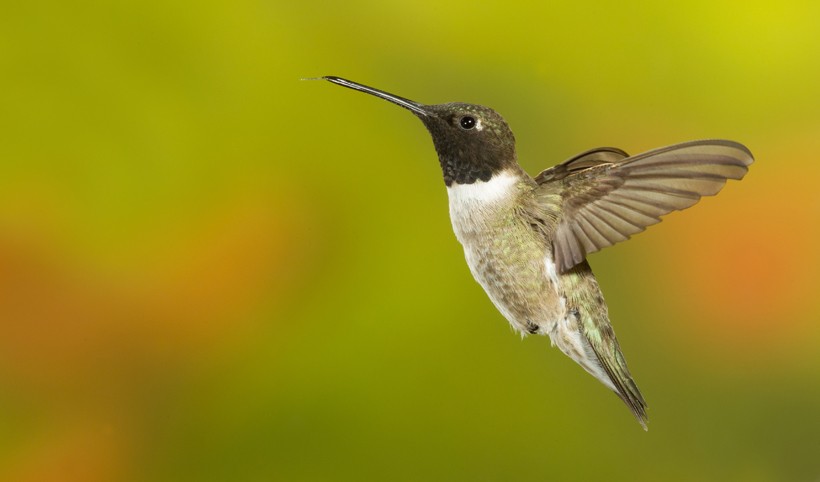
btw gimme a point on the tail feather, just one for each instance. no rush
(587, 337)
(597, 351)
(602, 347)
(625, 386)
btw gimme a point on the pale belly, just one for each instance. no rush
(506, 256)
(514, 274)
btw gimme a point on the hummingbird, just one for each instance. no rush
(526, 239)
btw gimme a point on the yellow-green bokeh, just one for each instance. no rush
(211, 270)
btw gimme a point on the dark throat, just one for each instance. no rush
(466, 166)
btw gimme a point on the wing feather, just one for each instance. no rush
(606, 197)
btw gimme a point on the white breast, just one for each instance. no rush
(497, 187)
(471, 205)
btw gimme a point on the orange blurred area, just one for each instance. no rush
(65, 313)
(84, 333)
(90, 453)
(750, 274)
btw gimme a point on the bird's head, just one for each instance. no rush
(472, 141)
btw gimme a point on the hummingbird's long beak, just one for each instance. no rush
(406, 103)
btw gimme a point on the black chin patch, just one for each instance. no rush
(465, 173)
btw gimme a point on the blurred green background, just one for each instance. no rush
(212, 271)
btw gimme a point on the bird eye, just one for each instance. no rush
(467, 122)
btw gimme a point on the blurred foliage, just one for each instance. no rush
(210, 270)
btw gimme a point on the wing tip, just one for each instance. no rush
(746, 157)
(744, 154)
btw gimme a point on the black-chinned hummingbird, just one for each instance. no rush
(526, 240)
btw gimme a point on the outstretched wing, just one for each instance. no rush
(606, 197)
